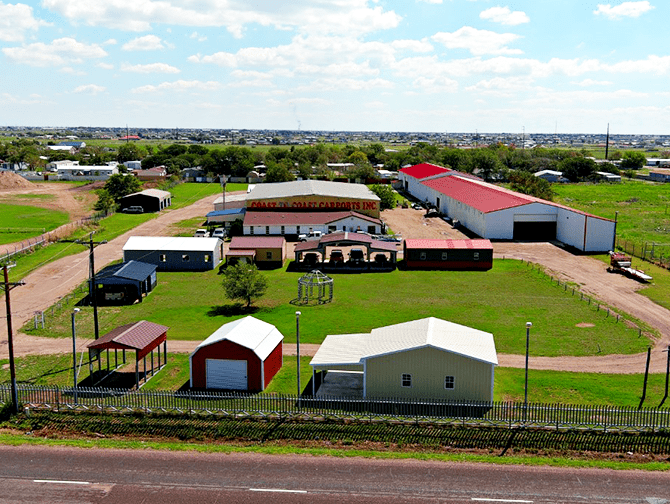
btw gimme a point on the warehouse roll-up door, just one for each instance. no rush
(227, 374)
(534, 227)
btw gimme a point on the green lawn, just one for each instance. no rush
(20, 222)
(543, 386)
(499, 301)
(185, 194)
(644, 207)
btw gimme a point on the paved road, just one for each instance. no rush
(58, 474)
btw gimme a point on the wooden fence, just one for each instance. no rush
(243, 406)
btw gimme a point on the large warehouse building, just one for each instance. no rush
(493, 212)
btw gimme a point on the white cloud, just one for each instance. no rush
(591, 82)
(16, 20)
(349, 84)
(105, 66)
(180, 85)
(222, 59)
(110, 42)
(198, 37)
(624, 10)
(7, 98)
(59, 52)
(306, 16)
(505, 16)
(436, 85)
(478, 42)
(431, 1)
(146, 43)
(150, 68)
(412, 45)
(92, 89)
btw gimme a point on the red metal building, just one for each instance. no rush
(448, 254)
(242, 355)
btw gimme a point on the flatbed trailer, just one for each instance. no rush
(621, 263)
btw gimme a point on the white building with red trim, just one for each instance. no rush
(494, 212)
(296, 223)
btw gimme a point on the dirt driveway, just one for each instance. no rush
(615, 290)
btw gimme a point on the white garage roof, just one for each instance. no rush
(173, 243)
(248, 332)
(311, 188)
(342, 349)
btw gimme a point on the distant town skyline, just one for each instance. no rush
(350, 65)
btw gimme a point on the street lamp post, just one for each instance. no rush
(74, 353)
(525, 396)
(297, 336)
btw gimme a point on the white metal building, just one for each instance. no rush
(428, 358)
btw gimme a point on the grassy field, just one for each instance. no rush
(543, 386)
(499, 301)
(20, 222)
(644, 207)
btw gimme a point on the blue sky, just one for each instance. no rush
(384, 65)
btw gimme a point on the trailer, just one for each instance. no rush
(621, 263)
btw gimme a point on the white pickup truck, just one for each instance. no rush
(312, 235)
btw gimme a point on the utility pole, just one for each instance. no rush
(10, 343)
(91, 285)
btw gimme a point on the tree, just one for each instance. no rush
(527, 183)
(105, 202)
(244, 281)
(119, 186)
(633, 160)
(279, 172)
(129, 152)
(386, 195)
(577, 169)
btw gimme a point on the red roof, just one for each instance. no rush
(300, 218)
(241, 253)
(480, 195)
(142, 336)
(424, 170)
(256, 242)
(448, 244)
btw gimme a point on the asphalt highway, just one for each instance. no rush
(30, 474)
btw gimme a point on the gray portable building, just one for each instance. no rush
(174, 253)
(125, 283)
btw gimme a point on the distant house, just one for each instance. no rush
(151, 200)
(608, 177)
(76, 145)
(77, 172)
(125, 283)
(428, 358)
(174, 253)
(133, 165)
(550, 175)
(448, 254)
(659, 177)
(62, 148)
(5, 166)
(265, 251)
(151, 174)
(241, 355)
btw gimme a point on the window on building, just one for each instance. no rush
(208, 258)
(185, 258)
(449, 382)
(251, 230)
(406, 380)
(162, 258)
(332, 229)
(372, 230)
(283, 230)
(297, 229)
(268, 255)
(444, 256)
(476, 256)
(267, 230)
(422, 256)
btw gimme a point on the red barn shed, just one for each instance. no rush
(448, 254)
(242, 355)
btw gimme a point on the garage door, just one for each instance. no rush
(227, 374)
(535, 231)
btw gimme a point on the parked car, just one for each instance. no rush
(201, 233)
(336, 257)
(312, 235)
(356, 256)
(133, 209)
(219, 233)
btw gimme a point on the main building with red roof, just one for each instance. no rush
(494, 212)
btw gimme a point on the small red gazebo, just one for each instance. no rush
(142, 337)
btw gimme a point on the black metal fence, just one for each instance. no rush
(243, 406)
(656, 253)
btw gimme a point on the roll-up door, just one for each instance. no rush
(227, 374)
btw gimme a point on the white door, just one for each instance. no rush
(227, 374)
